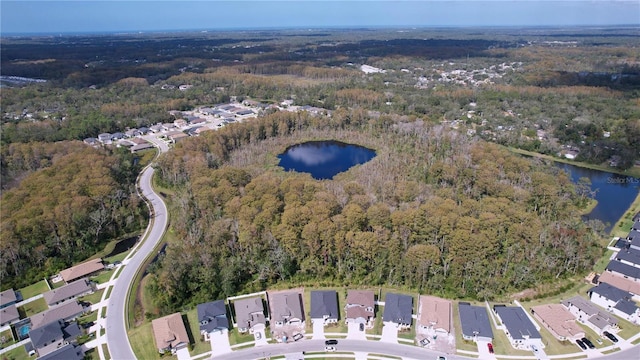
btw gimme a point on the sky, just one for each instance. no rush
(92, 16)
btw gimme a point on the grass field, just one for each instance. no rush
(32, 290)
(33, 308)
(93, 298)
(199, 346)
(103, 277)
(143, 343)
(623, 225)
(105, 350)
(18, 353)
(7, 338)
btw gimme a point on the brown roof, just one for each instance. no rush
(620, 282)
(9, 314)
(559, 320)
(80, 270)
(357, 302)
(169, 332)
(435, 312)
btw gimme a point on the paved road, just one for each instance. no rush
(116, 332)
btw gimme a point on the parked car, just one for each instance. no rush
(258, 335)
(441, 358)
(331, 342)
(490, 346)
(610, 336)
(588, 343)
(361, 327)
(424, 342)
(581, 344)
(329, 348)
(297, 337)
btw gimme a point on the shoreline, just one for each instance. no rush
(633, 171)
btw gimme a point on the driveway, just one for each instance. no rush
(318, 330)
(483, 350)
(259, 335)
(353, 332)
(183, 354)
(219, 343)
(389, 333)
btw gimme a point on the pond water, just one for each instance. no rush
(324, 159)
(123, 246)
(615, 193)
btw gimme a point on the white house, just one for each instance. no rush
(616, 301)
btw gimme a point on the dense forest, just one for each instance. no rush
(434, 211)
(69, 201)
(439, 200)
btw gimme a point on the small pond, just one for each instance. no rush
(324, 159)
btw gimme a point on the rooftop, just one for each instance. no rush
(627, 270)
(517, 322)
(435, 312)
(620, 282)
(9, 314)
(70, 290)
(169, 332)
(559, 320)
(67, 352)
(64, 311)
(324, 304)
(212, 316)
(286, 305)
(609, 292)
(474, 321)
(7, 297)
(249, 311)
(398, 308)
(80, 270)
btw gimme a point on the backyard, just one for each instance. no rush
(32, 290)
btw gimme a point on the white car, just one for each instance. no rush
(330, 348)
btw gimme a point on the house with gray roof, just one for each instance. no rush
(634, 239)
(212, 317)
(68, 292)
(398, 309)
(474, 322)
(66, 311)
(516, 324)
(360, 307)
(7, 298)
(324, 306)
(624, 270)
(286, 307)
(589, 314)
(249, 312)
(616, 301)
(67, 352)
(51, 336)
(9, 315)
(629, 257)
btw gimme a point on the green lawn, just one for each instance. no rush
(502, 346)
(105, 350)
(108, 292)
(627, 329)
(93, 298)
(103, 277)
(142, 342)
(623, 225)
(32, 290)
(117, 257)
(18, 353)
(236, 338)
(33, 308)
(7, 338)
(92, 316)
(92, 354)
(199, 346)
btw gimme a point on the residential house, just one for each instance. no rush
(245, 113)
(176, 136)
(9, 315)
(7, 298)
(559, 321)
(81, 270)
(616, 301)
(104, 138)
(66, 311)
(155, 128)
(91, 141)
(131, 133)
(520, 330)
(634, 239)
(140, 147)
(117, 136)
(212, 317)
(170, 333)
(474, 322)
(324, 306)
(434, 314)
(629, 257)
(69, 291)
(621, 283)
(167, 126)
(286, 307)
(179, 123)
(398, 309)
(249, 312)
(143, 130)
(53, 335)
(589, 314)
(624, 270)
(66, 352)
(198, 121)
(360, 307)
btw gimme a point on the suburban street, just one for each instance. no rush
(116, 332)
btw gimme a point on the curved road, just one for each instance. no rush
(116, 332)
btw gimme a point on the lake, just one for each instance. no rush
(324, 159)
(615, 193)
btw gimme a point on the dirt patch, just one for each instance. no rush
(527, 293)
